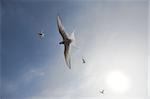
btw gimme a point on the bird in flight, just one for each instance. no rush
(102, 91)
(83, 61)
(41, 35)
(67, 41)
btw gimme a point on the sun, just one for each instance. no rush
(117, 82)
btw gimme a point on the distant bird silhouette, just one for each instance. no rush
(83, 61)
(41, 35)
(101, 91)
(67, 41)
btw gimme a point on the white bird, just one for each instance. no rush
(41, 35)
(101, 91)
(67, 41)
(83, 61)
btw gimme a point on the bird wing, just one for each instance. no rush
(67, 55)
(102, 91)
(61, 28)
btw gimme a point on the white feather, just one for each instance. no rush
(72, 37)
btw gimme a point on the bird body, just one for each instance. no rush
(101, 91)
(66, 41)
(83, 61)
(41, 35)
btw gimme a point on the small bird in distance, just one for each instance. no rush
(83, 61)
(101, 91)
(41, 35)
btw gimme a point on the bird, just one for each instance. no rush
(83, 61)
(101, 91)
(67, 41)
(41, 35)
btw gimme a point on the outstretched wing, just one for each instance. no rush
(61, 28)
(67, 55)
(102, 91)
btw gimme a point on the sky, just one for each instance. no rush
(112, 37)
(0, 47)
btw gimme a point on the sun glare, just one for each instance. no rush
(118, 82)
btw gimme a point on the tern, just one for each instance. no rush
(41, 35)
(67, 41)
(101, 91)
(83, 61)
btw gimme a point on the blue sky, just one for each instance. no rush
(0, 45)
(23, 49)
(111, 35)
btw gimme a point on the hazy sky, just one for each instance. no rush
(0, 47)
(112, 36)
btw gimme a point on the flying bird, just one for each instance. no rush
(67, 41)
(83, 61)
(41, 35)
(101, 91)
